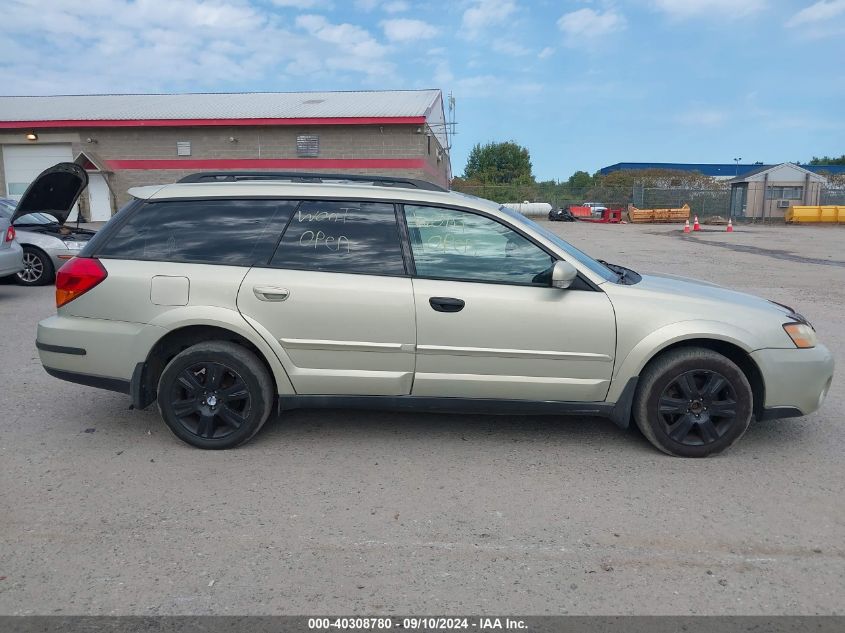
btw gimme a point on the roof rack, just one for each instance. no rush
(298, 176)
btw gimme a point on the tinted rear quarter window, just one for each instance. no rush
(342, 236)
(230, 232)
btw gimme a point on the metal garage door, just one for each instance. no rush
(22, 163)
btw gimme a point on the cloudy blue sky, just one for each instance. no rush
(581, 83)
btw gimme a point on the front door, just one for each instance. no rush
(488, 323)
(338, 301)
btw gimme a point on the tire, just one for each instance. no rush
(215, 395)
(38, 269)
(693, 402)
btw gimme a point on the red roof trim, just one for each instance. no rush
(277, 163)
(42, 125)
(270, 163)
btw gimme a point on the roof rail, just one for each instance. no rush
(298, 176)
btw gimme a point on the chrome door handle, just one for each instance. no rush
(270, 293)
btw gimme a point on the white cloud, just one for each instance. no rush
(587, 25)
(302, 4)
(397, 6)
(717, 9)
(355, 48)
(702, 117)
(147, 45)
(546, 52)
(407, 30)
(508, 47)
(486, 13)
(818, 12)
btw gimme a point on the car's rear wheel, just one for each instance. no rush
(693, 402)
(37, 268)
(215, 395)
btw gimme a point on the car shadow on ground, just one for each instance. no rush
(412, 428)
(567, 432)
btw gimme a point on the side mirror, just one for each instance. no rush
(563, 274)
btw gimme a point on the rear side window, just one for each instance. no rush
(343, 237)
(230, 232)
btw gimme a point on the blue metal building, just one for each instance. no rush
(729, 170)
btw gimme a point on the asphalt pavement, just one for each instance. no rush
(103, 511)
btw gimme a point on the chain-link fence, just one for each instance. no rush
(832, 195)
(705, 203)
(702, 202)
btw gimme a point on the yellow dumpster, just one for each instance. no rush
(829, 214)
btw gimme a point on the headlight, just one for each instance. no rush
(801, 334)
(75, 246)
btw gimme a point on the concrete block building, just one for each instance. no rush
(129, 140)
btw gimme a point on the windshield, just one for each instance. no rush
(7, 208)
(598, 268)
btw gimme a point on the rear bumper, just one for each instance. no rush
(11, 259)
(85, 351)
(100, 382)
(796, 380)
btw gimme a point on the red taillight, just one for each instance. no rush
(10, 234)
(77, 277)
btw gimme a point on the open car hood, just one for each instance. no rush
(55, 191)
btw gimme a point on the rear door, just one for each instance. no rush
(337, 298)
(488, 323)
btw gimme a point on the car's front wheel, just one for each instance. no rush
(693, 402)
(215, 395)
(37, 268)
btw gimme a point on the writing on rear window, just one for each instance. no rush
(341, 236)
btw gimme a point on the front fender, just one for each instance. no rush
(630, 361)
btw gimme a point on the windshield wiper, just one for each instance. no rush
(619, 270)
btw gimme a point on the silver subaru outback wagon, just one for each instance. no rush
(227, 297)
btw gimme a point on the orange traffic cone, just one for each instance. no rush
(695, 225)
(686, 226)
(730, 228)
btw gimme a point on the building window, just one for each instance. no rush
(785, 193)
(307, 145)
(183, 148)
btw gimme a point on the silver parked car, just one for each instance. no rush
(46, 240)
(11, 254)
(228, 296)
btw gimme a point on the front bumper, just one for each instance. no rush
(60, 256)
(794, 379)
(11, 259)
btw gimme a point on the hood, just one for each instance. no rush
(697, 296)
(54, 191)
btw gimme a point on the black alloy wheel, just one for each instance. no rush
(210, 400)
(697, 408)
(215, 395)
(693, 402)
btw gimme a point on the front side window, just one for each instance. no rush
(342, 237)
(464, 246)
(231, 232)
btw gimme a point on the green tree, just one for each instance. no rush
(499, 163)
(828, 160)
(580, 181)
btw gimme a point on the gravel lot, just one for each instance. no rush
(103, 511)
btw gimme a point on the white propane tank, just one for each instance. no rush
(530, 209)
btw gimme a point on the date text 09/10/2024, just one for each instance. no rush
(416, 623)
